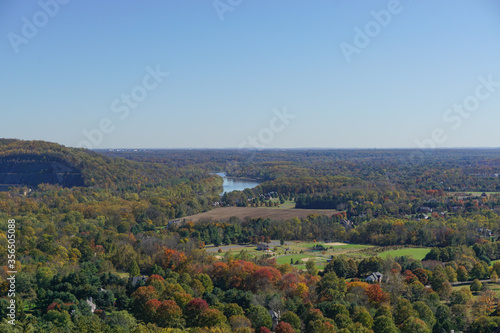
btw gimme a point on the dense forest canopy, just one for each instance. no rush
(447, 169)
(104, 242)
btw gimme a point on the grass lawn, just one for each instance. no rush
(356, 251)
(286, 259)
(473, 194)
(303, 267)
(417, 253)
(335, 247)
(352, 246)
(123, 275)
(309, 245)
(287, 204)
(320, 261)
(493, 286)
(478, 194)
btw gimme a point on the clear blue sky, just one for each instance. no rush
(226, 76)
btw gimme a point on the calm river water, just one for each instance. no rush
(236, 184)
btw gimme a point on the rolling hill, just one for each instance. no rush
(30, 163)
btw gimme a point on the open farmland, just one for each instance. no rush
(224, 213)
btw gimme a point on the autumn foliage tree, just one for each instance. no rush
(292, 319)
(141, 296)
(331, 288)
(169, 314)
(284, 327)
(264, 278)
(194, 309)
(414, 325)
(384, 324)
(485, 304)
(150, 310)
(376, 294)
(171, 258)
(211, 317)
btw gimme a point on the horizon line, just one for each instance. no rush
(300, 148)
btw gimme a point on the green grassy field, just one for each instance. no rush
(309, 245)
(123, 275)
(479, 193)
(345, 246)
(299, 250)
(416, 253)
(319, 260)
(474, 194)
(287, 204)
(286, 259)
(353, 247)
(493, 286)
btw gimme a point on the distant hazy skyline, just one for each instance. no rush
(251, 73)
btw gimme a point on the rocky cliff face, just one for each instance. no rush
(31, 170)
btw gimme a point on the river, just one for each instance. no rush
(236, 184)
